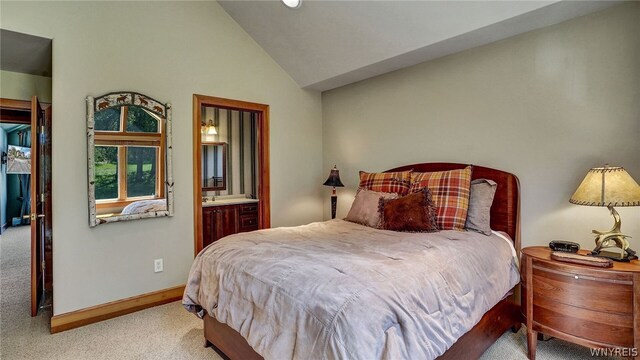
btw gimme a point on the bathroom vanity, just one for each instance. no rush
(226, 216)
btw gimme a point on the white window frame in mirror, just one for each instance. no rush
(117, 99)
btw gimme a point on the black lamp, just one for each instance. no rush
(334, 181)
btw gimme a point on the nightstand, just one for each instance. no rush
(589, 306)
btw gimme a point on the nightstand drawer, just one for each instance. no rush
(597, 326)
(582, 291)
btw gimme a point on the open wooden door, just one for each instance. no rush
(38, 187)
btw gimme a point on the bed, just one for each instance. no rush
(369, 301)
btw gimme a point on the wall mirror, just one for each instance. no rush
(129, 158)
(214, 166)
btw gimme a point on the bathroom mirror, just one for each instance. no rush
(214, 166)
(129, 158)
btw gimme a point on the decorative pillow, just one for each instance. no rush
(391, 182)
(364, 209)
(412, 213)
(450, 192)
(481, 196)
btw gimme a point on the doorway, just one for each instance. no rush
(249, 122)
(25, 146)
(25, 170)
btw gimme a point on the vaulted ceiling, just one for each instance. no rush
(25, 53)
(326, 44)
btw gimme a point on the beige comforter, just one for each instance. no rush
(339, 290)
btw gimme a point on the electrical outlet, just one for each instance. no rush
(157, 265)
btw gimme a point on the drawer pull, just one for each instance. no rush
(576, 276)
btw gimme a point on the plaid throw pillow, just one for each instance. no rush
(391, 182)
(450, 193)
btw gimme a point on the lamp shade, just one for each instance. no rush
(208, 128)
(334, 178)
(607, 186)
(212, 130)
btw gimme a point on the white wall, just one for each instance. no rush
(21, 86)
(545, 105)
(168, 50)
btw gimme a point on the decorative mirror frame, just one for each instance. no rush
(116, 99)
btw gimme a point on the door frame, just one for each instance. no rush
(262, 111)
(19, 112)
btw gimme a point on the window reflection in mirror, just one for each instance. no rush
(129, 150)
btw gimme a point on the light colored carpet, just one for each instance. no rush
(163, 332)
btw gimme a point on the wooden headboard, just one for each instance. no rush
(505, 211)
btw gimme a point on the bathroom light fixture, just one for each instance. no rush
(212, 130)
(209, 128)
(292, 4)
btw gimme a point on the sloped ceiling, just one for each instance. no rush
(25, 53)
(326, 44)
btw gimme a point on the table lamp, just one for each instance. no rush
(609, 186)
(334, 181)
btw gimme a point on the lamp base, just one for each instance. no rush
(615, 256)
(613, 239)
(334, 203)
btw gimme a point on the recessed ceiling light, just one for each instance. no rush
(292, 4)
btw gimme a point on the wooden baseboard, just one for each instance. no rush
(113, 309)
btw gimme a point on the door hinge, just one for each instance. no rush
(42, 197)
(43, 265)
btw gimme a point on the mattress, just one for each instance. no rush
(340, 290)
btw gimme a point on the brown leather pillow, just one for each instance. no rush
(412, 213)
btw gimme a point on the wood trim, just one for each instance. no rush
(264, 189)
(21, 104)
(36, 268)
(104, 204)
(142, 138)
(197, 173)
(24, 105)
(114, 309)
(264, 185)
(122, 172)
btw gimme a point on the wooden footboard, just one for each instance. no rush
(227, 340)
(505, 315)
